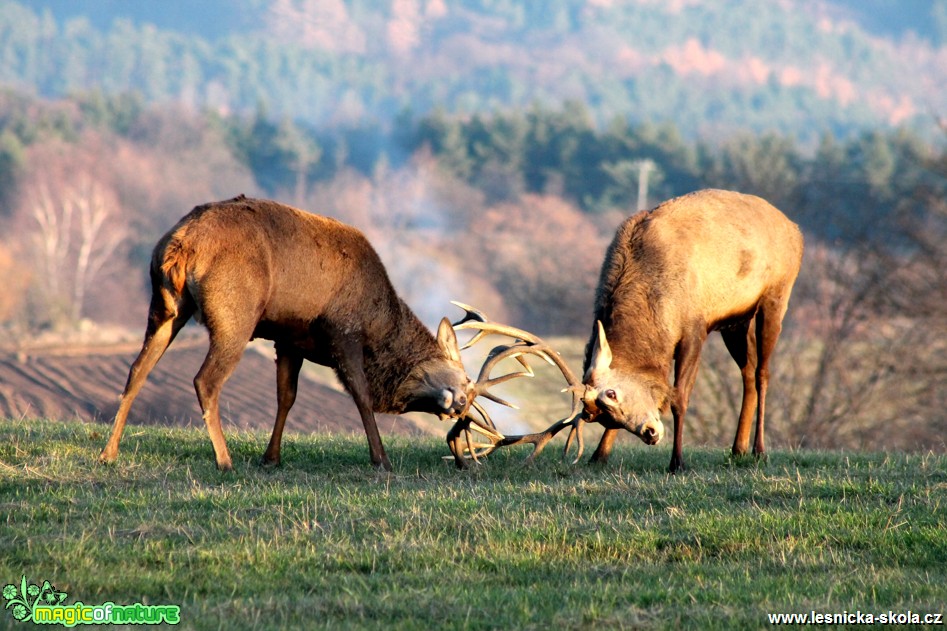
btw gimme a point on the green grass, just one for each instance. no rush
(326, 542)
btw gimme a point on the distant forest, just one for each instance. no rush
(846, 193)
(710, 68)
(843, 191)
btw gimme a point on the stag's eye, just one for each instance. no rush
(611, 395)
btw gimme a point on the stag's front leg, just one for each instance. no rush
(604, 449)
(686, 363)
(288, 364)
(349, 357)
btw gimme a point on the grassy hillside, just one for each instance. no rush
(326, 542)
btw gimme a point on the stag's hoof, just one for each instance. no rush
(739, 458)
(383, 466)
(677, 466)
(269, 463)
(225, 466)
(109, 454)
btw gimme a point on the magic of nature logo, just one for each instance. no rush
(43, 604)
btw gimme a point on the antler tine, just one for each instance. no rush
(463, 427)
(487, 428)
(460, 453)
(502, 352)
(487, 328)
(470, 446)
(471, 314)
(575, 432)
(497, 355)
(539, 440)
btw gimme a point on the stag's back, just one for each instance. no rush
(288, 264)
(708, 256)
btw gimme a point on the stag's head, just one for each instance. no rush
(614, 397)
(440, 385)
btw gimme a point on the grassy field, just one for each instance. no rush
(326, 542)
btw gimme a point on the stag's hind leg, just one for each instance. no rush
(222, 357)
(769, 324)
(166, 316)
(741, 342)
(231, 303)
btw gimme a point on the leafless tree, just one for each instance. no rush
(73, 230)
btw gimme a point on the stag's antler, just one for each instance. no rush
(524, 344)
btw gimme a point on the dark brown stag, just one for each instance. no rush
(711, 260)
(249, 268)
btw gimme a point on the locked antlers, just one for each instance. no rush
(523, 345)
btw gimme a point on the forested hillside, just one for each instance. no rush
(794, 67)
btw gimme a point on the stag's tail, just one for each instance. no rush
(173, 266)
(170, 293)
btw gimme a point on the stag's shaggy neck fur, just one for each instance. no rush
(629, 305)
(392, 358)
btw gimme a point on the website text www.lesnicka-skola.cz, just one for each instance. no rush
(858, 617)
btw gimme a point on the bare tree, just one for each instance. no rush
(49, 241)
(544, 255)
(842, 373)
(99, 235)
(73, 231)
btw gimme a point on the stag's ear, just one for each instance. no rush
(447, 340)
(601, 352)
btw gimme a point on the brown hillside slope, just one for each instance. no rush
(85, 382)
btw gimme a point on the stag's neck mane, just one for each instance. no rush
(633, 312)
(390, 358)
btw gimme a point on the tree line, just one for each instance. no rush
(845, 190)
(842, 190)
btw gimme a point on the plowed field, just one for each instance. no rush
(85, 382)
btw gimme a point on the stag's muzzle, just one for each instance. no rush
(453, 403)
(651, 431)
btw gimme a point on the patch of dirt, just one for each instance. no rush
(68, 382)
